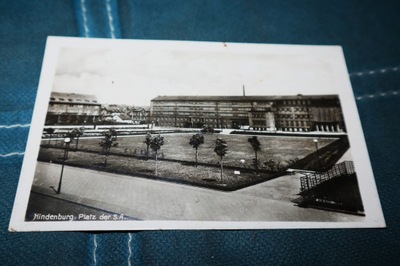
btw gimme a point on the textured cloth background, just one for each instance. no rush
(369, 32)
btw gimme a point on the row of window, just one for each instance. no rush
(179, 119)
(238, 105)
(295, 129)
(171, 124)
(296, 116)
(284, 123)
(72, 100)
(184, 115)
(258, 123)
(294, 123)
(76, 106)
(209, 114)
(294, 109)
(181, 109)
(297, 102)
(187, 111)
(258, 115)
(206, 108)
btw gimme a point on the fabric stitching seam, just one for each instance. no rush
(11, 154)
(110, 19)
(15, 126)
(374, 72)
(377, 95)
(129, 248)
(95, 250)
(84, 17)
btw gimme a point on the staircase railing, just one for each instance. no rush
(311, 180)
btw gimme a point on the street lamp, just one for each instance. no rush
(317, 150)
(67, 141)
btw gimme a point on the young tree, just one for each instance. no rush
(49, 131)
(221, 150)
(155, 144)
(76, 133)
(255, 143)
(147, 141)
(107, 142)
(195, 141)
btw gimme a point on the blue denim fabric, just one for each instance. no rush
(369, 33)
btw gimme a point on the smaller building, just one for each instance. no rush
(139, 115)
(108, 110)
(72, 109)
(122, 119)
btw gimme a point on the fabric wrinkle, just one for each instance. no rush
(374, 72)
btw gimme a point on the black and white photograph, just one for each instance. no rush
(146, 135)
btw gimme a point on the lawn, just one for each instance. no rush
(177, 157)
(176, 147)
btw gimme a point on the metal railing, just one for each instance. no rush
(311, 180)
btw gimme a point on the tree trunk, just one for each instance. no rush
(156, 164)
(222, 168)
(105, 159)
(196, 157)
(256, 163)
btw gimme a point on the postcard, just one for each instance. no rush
(149, 135)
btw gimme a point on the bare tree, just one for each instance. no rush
(195, 141)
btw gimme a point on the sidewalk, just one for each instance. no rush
(146, 199)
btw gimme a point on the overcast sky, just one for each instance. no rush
(135, 75)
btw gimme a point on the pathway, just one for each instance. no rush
(147, 199)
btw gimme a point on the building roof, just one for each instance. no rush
(124, 117)
(245, 98)
(110, 110)
(62, 97)
(137, 109)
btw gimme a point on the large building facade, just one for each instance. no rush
(300, 113)
(71, 108)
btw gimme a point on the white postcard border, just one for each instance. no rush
(374, 216)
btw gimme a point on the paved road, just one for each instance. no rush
(154, 200)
